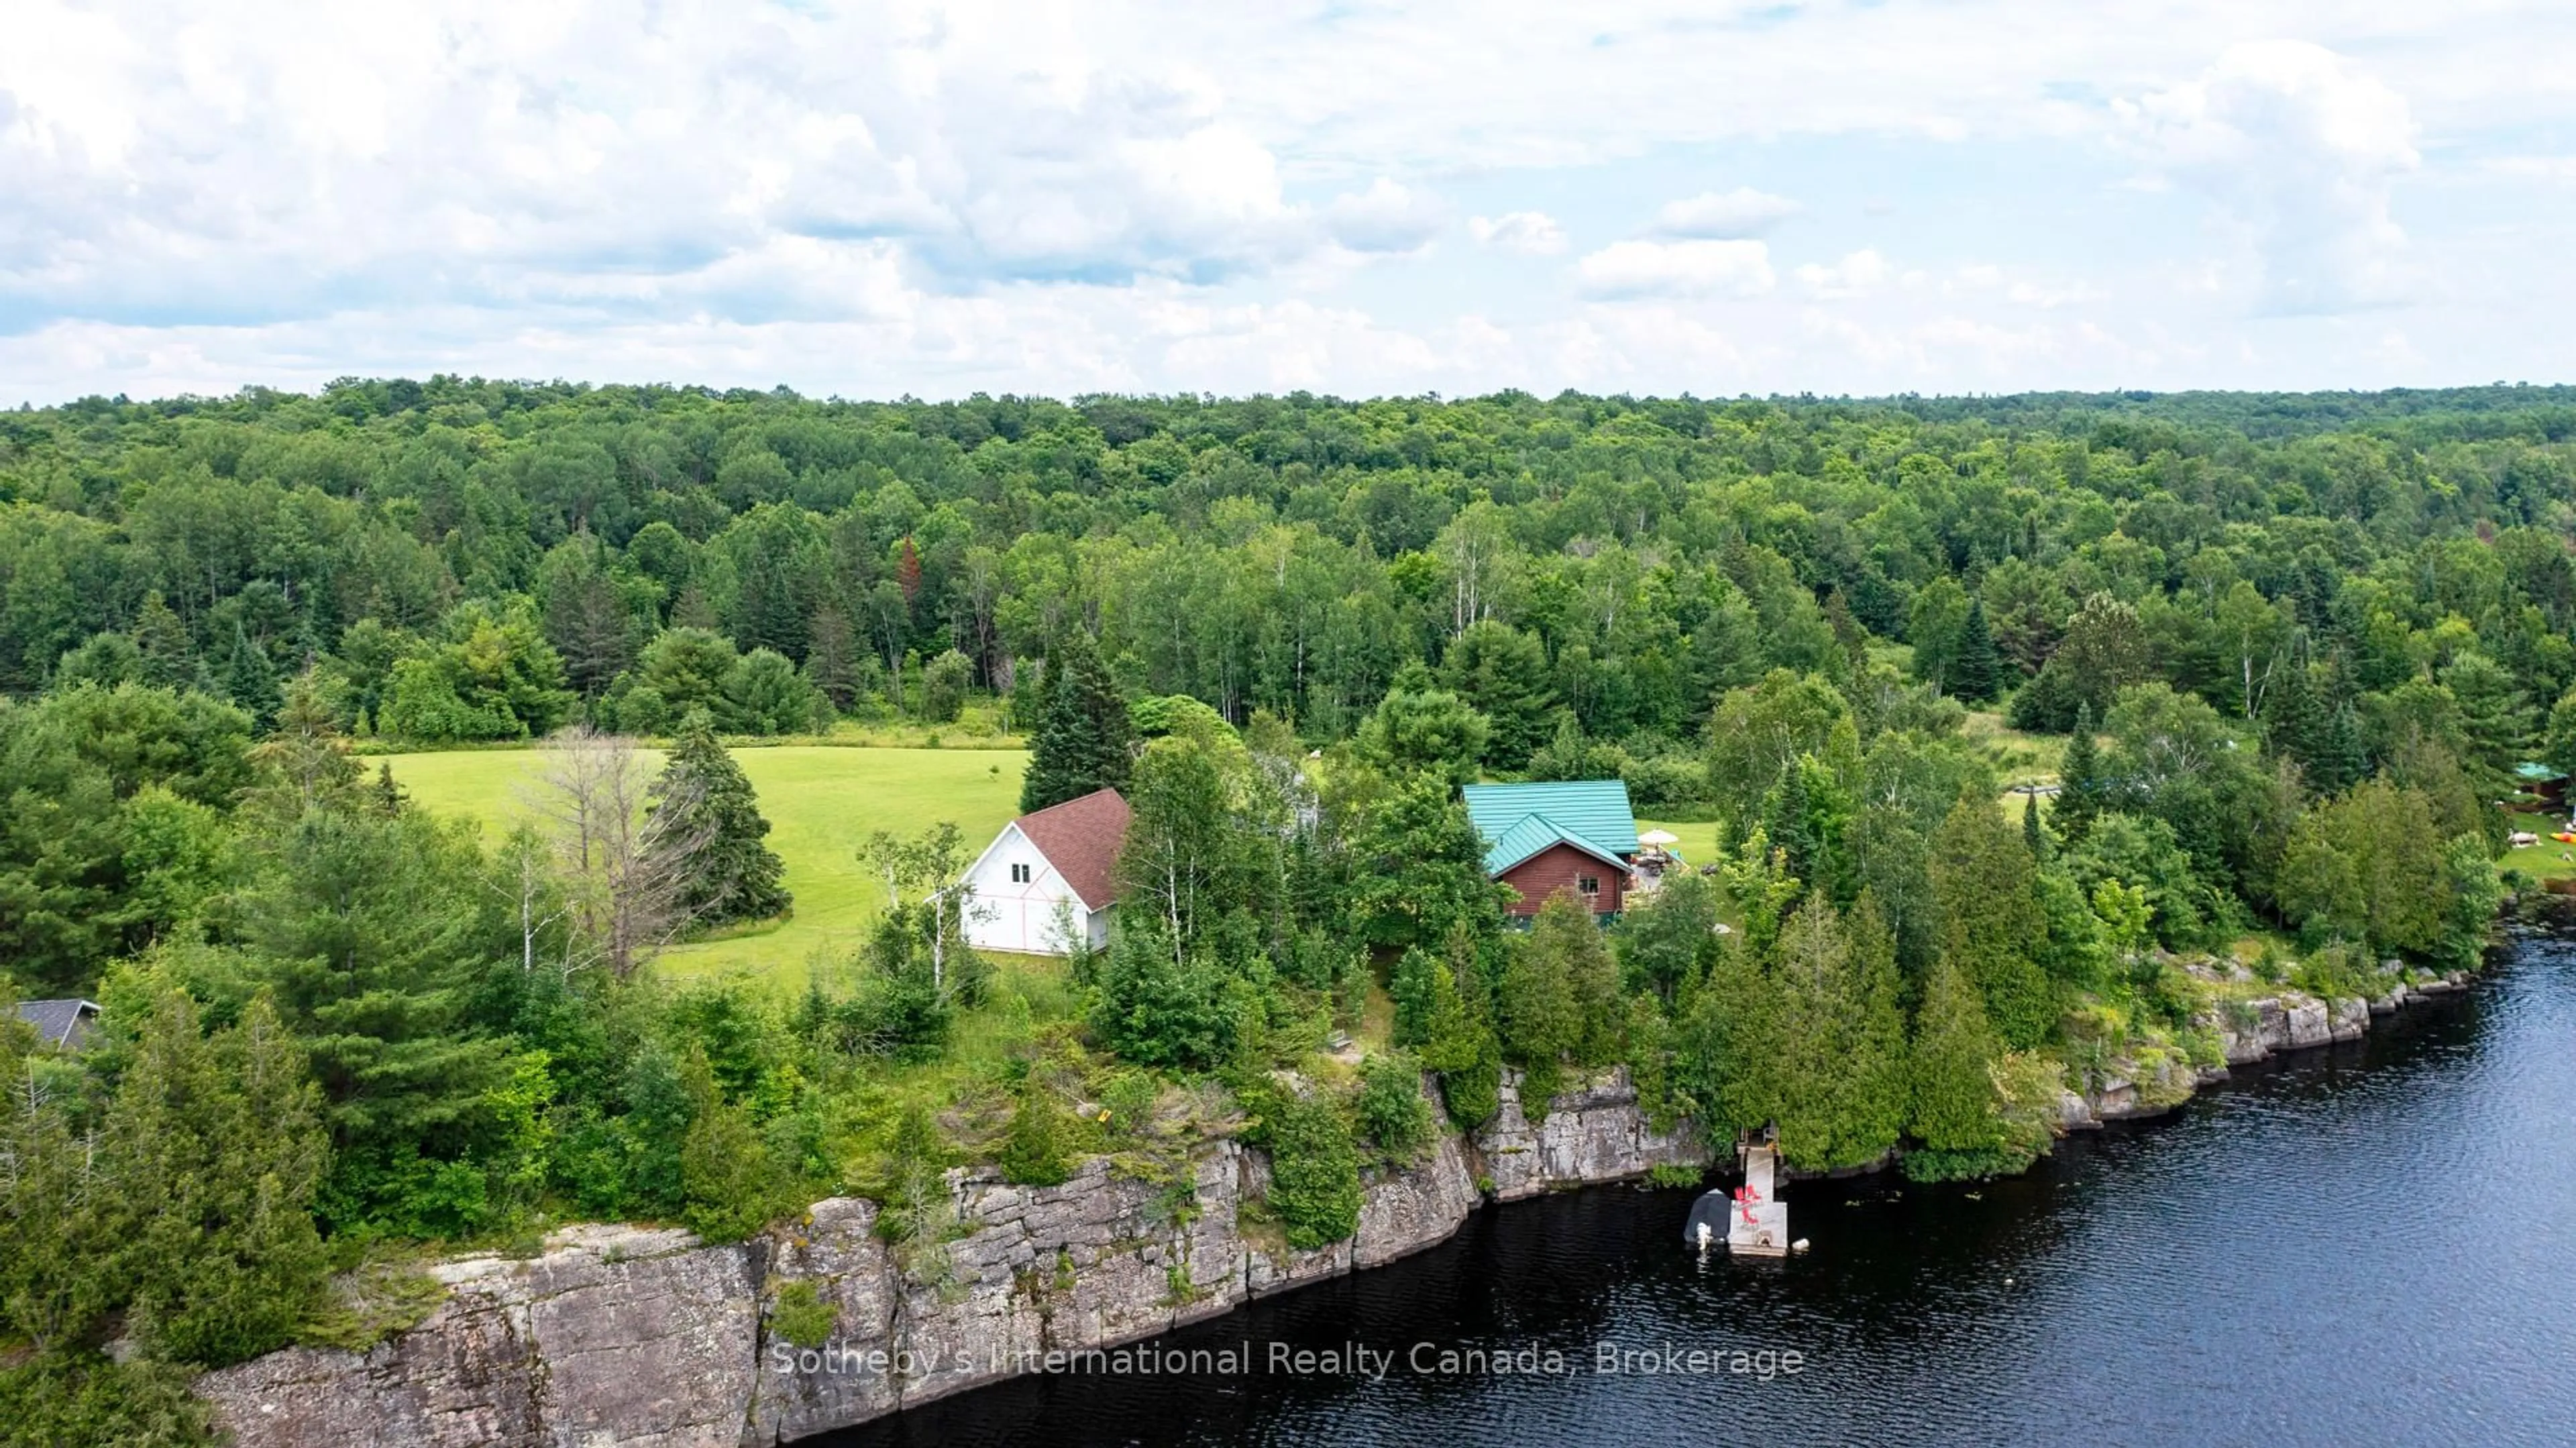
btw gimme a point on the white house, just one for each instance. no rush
(1046, 881)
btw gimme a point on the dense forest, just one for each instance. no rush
(2280, 655)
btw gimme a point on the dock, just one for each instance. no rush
(1757, 1224)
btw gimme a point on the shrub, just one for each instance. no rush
(85, 1399)
(801, 1316)
(1033, 1150)
(1314, 1171)
(943, 687)
(1391, 1109)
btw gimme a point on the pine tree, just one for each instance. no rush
(304, 762)
(371, 930)
(2033, 838)
(907, 571)
(733, 874)
(832, 655)
(249, 677)
(1975, 671)
(169, 655)
(1083, 733)
(1784, 820)
(2294, 719)
(2079, 781)
(2342, 760)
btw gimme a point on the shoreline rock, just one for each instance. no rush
(628, 1337)
(2268, 1027)
(632, 1337)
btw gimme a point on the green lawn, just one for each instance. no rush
(820, 801)
(2548, 860)
(1699, 841)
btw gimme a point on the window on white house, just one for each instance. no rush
(1019, 874)
(1588, 884)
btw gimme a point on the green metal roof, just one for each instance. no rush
(2537, 773)
(1519, 820)
(1534, 833)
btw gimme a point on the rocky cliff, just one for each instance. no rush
(622, 1337)
(2252, 1031)
(626, 1337)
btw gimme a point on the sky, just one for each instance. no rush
(878, 200)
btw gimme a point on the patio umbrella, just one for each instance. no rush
(1659, 837)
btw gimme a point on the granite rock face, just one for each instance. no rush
(622, 1337)
(614, 1336)
(1593, 1133)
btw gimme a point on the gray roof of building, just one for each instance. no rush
(61, 1023)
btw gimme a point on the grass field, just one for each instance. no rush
(1698, 841)
(821, 801)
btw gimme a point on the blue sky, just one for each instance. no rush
(876, 199)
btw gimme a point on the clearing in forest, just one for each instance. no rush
(820, 800)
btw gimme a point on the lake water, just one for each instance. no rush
(2365, 1244)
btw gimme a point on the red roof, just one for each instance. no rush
(1080, 837)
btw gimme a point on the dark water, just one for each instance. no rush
(2368, 1244)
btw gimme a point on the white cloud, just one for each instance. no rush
(1855, 276)
(1676, 269)
(2300, 148)
(1729, 215)
(893, 195)
(1385, 217)
(1522, 233)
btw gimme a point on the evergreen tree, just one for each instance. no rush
(2343, 760)
(2294, 718)
(1784, 820)
(169, 655)
(1876, 1089)
(708, 801)
(216, 1151)
(1541, 1019)
(376, 935)
(1976, 671)
(832, 655)
(1033, 1149)
(729, 1188)
(585, 614)
(2079, 781)
(1501, 673)
(1459, 1041)
(1083, 733)
(1727, 1049)
(2033, 838)
(1314, 1171)
(1837, 1053)
(1993, 930)
(1954, 1097)
(1415, 987)
(1418, 727)
(248, 676)
(304, 762)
